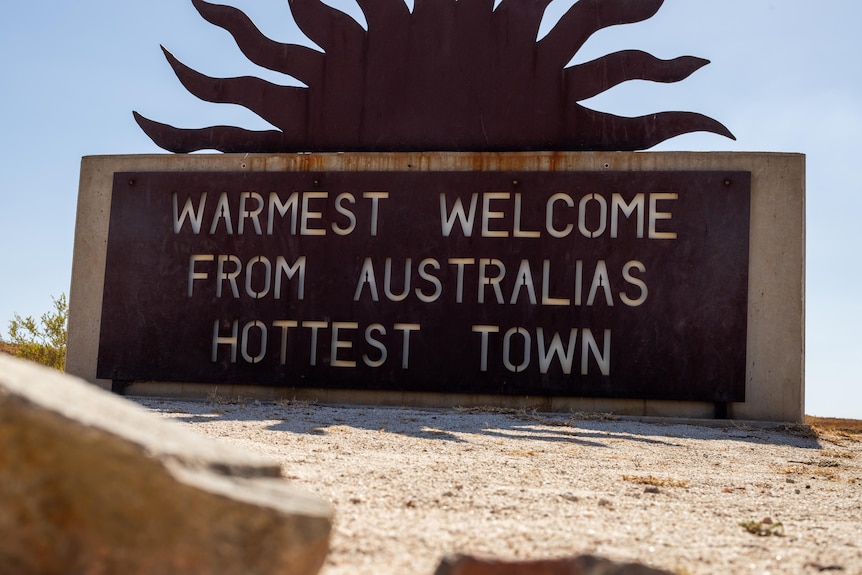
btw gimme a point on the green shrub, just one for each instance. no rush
(43, 342)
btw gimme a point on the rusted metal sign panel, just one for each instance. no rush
(601, 284)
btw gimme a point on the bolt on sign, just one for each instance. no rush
(589, 284)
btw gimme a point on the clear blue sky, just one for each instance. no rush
(783, 78)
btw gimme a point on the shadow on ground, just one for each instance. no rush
(456, 424)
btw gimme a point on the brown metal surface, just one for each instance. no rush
(450, 76)
(661, 272)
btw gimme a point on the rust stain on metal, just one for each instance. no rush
(448, 76)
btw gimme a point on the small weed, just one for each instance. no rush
(594, 416)
(764, 528)
(486, 409)
(547, 421)
(655, 481)
(293, 402)
(813, 470)
(216, 398)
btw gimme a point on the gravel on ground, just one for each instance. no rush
(412, 485)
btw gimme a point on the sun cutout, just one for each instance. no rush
(452, 75)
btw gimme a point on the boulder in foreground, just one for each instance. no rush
(91, 483)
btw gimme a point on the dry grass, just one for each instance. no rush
(811, 470)
(826, 427)
(799, 430)
(835, 454)
(655, 481)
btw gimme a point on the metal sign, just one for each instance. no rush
(451, 75)
(595, 284)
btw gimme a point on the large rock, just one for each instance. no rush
(582, 565)
(92, 484)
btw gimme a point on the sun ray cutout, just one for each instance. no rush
(450, 75)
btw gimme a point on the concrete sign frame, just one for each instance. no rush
(774, 370)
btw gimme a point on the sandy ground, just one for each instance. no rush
(410, 486)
